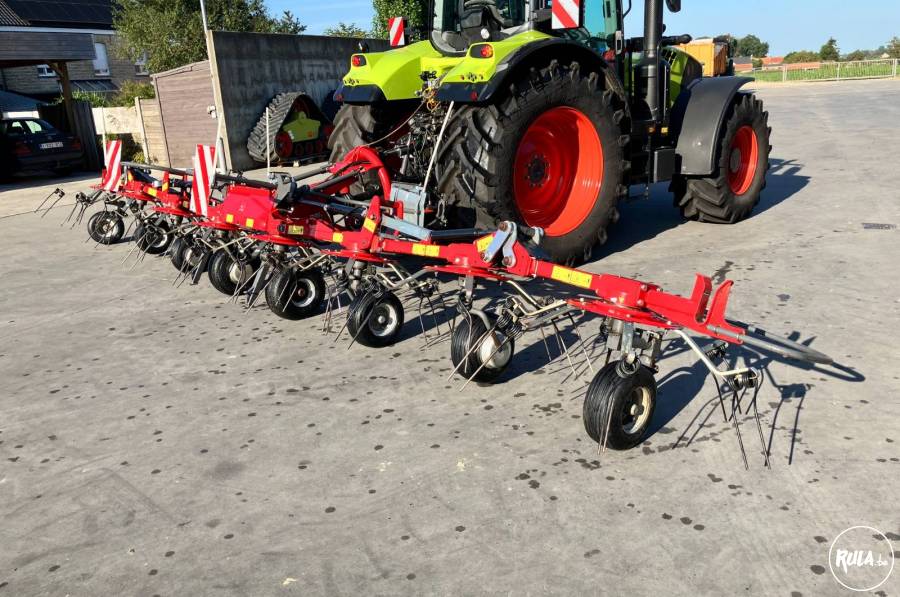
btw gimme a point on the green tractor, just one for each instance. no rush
(544, 112)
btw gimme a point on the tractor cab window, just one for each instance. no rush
(601, 19)
(456, 24)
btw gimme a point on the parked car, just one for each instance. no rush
(29, 144)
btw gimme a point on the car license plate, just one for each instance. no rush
(53, 145)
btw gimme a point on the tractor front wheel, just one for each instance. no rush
(733, 190)
(549, 154)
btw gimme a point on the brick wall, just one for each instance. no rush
(25, 79)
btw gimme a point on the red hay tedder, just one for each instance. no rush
(368, 236)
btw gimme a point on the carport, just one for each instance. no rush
(28, 48)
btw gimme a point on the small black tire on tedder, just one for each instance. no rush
(619, 405)
(477, 353)
(228, 272)
(106, 227)
(294, 294)
(153, 237)
(375, 318)
(185, 255)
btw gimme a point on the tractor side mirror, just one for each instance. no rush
(674, 5)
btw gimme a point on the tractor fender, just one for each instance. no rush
(697, 119)
(532, 54)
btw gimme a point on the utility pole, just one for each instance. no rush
(221, 164)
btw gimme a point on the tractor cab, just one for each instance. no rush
(455, 25)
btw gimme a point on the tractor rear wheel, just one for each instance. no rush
(548, 154)
(733, 190)
(364, 125)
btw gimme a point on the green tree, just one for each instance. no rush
(343, 29)
(751, 45)
(893, 48)
(856, 55)
(129, 90)
(414, 11)
(830, 51)
(170, 32)
(801, 56)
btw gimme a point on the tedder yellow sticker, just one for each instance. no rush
(571, 276)
(426, 250)
(151, 191)
(482, 243)
(249, 223)
(293, 229)
(229, 218)
(369, 225)
(337, 237)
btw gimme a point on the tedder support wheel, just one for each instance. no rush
(153, 239)
(294, 294)
(549, 153)
(375, 318)
(622, 399)
(362, 125)
(733, 190)
(184, 257)
(106, 227)
(478, 355)
(227, 274)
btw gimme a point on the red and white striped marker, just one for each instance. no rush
(566, 14)
(112, 157)
(204, 175)
(397, 29)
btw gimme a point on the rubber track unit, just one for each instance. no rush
(476, 154)
(279, 108)
(710, 199)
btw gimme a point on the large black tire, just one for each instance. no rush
(375, 319)
(293, 294)
(226, 274)
(155, 239)
(726, 196)
(485, 140)
(362, 125)
(467, 361)
(624, 400)
(106, 227)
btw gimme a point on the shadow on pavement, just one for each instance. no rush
(643, 219)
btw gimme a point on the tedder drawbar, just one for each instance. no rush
(375, 226)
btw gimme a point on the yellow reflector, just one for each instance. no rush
(571, 276)
(426, 250)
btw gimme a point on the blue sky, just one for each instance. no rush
(786, 24)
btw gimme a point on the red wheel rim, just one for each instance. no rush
(558, 170)
(284, 145)
(742, 163)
